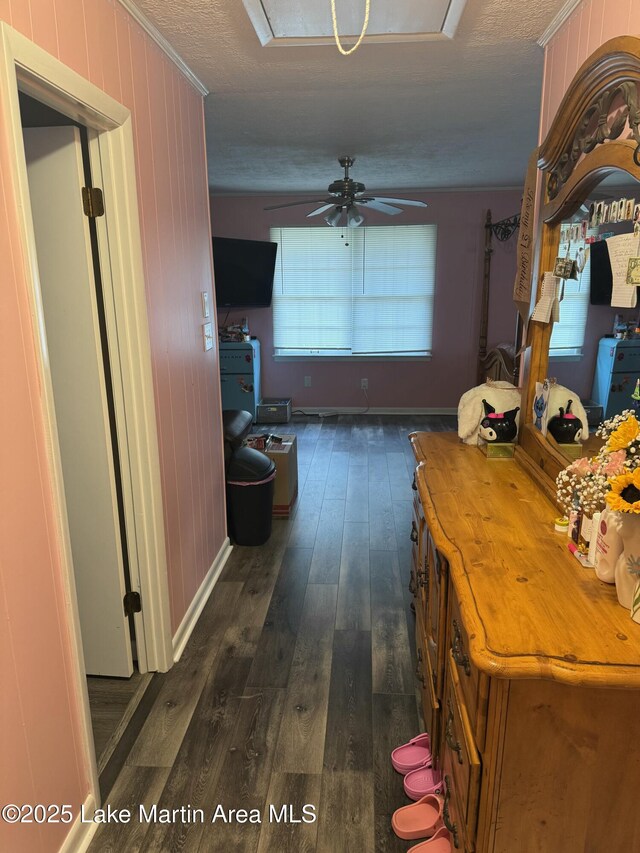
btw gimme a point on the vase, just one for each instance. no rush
(618, 559)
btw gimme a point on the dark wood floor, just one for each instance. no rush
(112, 701)
(298, 680)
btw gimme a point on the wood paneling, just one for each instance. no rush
(591, 24)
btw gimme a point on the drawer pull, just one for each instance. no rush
(446, 817)
(414, 532)
(452, 743)
(425, 578)
(419, 674)
(457, 649)
(414, 485)
(412, 584)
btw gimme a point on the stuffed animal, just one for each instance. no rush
(561, 397)
(501, 396)
(539, 406)
(498, 426)
(565, 427)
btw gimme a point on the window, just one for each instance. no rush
(567, 336)
(354, 291)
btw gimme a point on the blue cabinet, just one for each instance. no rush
(617, 368)
(240, 375)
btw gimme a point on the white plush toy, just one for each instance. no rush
(502, 396)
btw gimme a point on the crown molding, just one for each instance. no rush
(164, 46)
(557, 22)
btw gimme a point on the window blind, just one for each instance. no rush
(365, 291)
(567, 336)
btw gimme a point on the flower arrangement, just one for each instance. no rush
(610, 477)
(625, 492)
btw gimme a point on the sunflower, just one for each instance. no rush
(625, 492)
(624, 435)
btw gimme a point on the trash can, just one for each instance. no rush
(250, 481)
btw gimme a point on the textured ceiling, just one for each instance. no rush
(459, 113)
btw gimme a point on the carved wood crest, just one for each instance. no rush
(604, 120)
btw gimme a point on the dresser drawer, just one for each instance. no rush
(431, 709)
(460, 759)
(436, 612)
(474, 685)
(452, 819)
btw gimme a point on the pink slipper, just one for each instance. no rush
(419, 820)
(411, 755)
(422, 781)
(438, 843)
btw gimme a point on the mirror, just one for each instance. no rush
(594, 136)
(585, 353)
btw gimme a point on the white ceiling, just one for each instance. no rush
(437, 114)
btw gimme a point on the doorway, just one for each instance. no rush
(109, 143)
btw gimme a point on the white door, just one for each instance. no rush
(65, 264)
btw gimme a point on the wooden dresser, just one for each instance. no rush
(529, 668)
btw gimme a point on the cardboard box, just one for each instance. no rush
(285, 455)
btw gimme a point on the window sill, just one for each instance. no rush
(333, 359)
(569, 357)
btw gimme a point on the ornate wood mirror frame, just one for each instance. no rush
(595, 133)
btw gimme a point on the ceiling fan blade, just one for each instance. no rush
(321, 209)
(294, 203)
(408, 201)
(375, 204)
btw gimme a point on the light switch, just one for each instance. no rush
(207, 336)
(205, 304)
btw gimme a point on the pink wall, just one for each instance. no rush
(460, 217)
(40, 748)
(591, 24)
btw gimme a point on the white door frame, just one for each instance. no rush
(23, 64)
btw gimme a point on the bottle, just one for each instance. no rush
(586, 523)
(575, 518)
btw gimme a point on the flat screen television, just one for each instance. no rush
(243, 272)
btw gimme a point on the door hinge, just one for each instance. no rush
(92, 202)
(132, 603)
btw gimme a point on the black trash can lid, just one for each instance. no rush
(249, 466)
(236, 424)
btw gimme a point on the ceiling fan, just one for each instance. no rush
(347, 199)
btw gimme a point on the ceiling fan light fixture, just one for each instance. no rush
(354, 218)
(334, 217)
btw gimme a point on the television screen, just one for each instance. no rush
(243, 272)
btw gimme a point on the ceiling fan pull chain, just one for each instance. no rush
(335, 28)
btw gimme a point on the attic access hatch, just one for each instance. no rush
(281, 23)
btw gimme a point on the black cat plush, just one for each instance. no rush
(565, 427)
(498, 426)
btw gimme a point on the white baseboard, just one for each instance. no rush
(327, 411)
(200, 599)
(81, 834)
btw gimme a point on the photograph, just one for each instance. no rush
(584, 226)
(621, 205)
(599, 212)
(628, 208)
(636, 213)
(613, 215)
(605, 213)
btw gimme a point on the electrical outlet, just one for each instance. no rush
(307, 382)
(364, 384)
